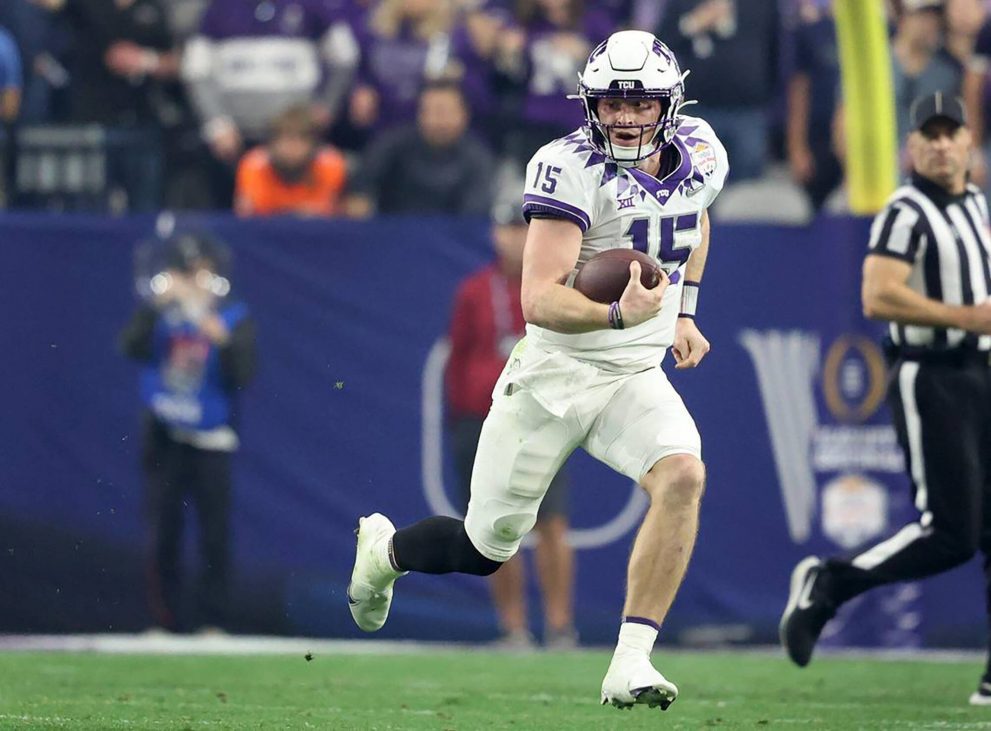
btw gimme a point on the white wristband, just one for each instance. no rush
(689, 299)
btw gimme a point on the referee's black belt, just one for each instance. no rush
(958, 357)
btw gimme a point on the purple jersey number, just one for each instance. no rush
(639, 232)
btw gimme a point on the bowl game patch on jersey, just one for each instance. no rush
(704, 158)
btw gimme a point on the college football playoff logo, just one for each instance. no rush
(842, 446)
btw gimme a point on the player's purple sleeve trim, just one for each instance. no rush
(541, 204)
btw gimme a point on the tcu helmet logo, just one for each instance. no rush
(626, 84)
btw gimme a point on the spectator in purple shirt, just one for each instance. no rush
(473, 41)
(545, 53)
(403, 43)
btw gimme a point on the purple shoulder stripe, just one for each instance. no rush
(541, 204)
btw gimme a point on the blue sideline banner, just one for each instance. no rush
(346, 417)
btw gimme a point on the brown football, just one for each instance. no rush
(604, 277)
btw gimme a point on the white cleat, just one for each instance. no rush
(981, 696)
(370, 590)
(631, 680)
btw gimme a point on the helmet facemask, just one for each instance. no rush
(651, 136)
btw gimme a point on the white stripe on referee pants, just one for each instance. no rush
(907, 374)
(877, 555)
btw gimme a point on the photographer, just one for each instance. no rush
(197, 347)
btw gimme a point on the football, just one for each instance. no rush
(605, 275)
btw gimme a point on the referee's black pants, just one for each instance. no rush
(942, 414)
(177, 473)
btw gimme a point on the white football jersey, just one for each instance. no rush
(620, 208)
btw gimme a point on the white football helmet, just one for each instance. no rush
(632, 64)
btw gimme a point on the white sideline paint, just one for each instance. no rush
(162, 643)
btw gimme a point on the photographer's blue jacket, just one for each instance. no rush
(188, 382)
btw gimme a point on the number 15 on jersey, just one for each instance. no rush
(668, 238)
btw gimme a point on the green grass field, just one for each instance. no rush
(473, 690)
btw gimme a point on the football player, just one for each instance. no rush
(639, 174)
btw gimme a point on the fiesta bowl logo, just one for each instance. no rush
(836, 445)
(854, 510)
(432, 463)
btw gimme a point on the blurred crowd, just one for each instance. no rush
(353, 107)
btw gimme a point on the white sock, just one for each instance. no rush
(636, 637)
(383, 563)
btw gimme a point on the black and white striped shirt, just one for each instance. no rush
(945, 239)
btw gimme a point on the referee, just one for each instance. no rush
(928, 273)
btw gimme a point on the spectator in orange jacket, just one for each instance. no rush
(292, 173)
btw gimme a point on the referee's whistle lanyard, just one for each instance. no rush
(506, 334)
